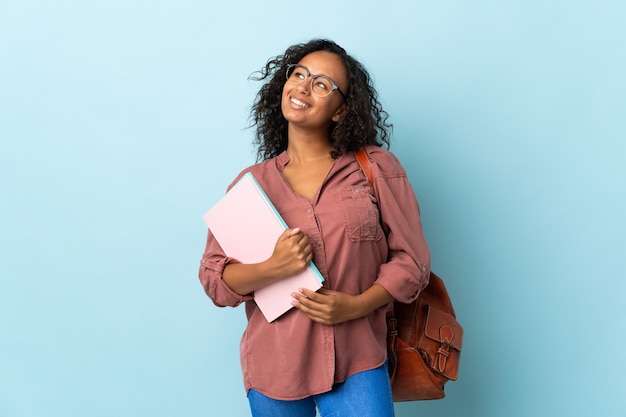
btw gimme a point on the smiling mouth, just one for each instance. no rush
(299, 103)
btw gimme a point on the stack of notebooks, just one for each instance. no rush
(247, 225)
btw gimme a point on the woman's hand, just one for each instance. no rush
(327, 306)
(333, 307)
(292, 254)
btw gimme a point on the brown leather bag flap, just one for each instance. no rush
(443, 328)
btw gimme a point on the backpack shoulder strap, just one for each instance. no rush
(366, 166)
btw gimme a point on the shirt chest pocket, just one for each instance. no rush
(360, 213)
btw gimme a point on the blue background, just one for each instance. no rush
(121, 122)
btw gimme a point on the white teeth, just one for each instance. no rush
(299, 103)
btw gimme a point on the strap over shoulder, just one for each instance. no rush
(366, 166)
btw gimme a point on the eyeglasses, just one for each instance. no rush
(321, 85)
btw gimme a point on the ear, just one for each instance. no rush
(339, 113)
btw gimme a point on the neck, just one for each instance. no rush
(308, 147)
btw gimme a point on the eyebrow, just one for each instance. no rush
(323, 75)
(315, 75)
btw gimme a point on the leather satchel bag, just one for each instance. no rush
(424, 340)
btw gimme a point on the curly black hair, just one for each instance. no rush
(363, 123)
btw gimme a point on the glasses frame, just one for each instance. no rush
(313, 76)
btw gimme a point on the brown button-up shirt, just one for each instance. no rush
(357, 241)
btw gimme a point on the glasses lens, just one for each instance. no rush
(296, 74)
(321, 86)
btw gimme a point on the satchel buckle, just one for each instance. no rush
(446, 335)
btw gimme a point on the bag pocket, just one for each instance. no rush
(441, 343)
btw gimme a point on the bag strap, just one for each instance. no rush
(392, 324)
(366, 166)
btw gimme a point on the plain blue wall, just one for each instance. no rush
(121, 122)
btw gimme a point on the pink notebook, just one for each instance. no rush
(246, 225)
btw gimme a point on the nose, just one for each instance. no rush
(304, 87)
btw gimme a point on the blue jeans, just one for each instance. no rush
(366, 394)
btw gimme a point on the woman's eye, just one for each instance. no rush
(322, 85)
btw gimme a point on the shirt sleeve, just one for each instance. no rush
(211, 272)
(407, 269)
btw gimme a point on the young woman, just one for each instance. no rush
(316, 108)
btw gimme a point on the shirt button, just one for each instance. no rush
(357, 190)
(308, 210)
